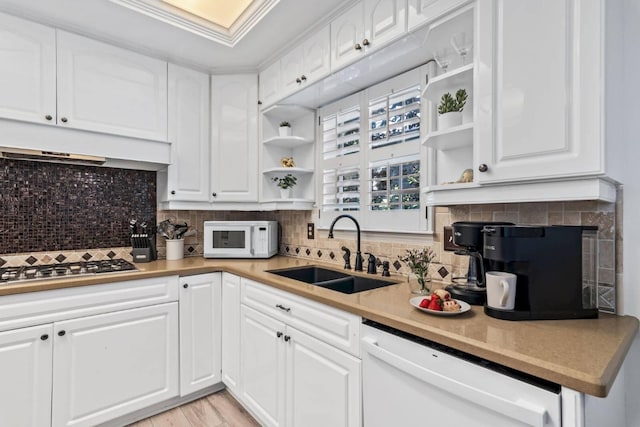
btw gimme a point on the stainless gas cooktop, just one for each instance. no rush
(58, 271)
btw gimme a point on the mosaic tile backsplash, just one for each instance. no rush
(58, 207)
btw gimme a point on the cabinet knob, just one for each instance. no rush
(61, 333)
(278, 334)
(483, 167)
(44, 337)
(173, 192)
(303, 78)
(186, 285)
(365, 42)
(48, 117)
(214, 194)
(287, 338)
(357, 46)
(64, 120)
(298, 80)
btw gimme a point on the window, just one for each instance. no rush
(372, 157)
(395, 185)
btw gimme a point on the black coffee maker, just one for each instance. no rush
(468, 236)
(556, 269)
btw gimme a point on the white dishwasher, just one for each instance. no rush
(409, 381)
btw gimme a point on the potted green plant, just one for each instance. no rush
(285, 128)
(286, 184)
(450, 109)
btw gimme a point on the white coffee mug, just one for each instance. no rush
(501, 290)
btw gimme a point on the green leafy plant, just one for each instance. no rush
(286, 181)
(418, 261)
(461, 98)
(285, 124)
(449, 104)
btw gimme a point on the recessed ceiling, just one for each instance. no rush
(221, 12)
(223, 21)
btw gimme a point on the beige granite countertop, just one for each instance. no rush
(584, 354)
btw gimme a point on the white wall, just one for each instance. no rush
(631, 212)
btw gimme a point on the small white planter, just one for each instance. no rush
(284, 130)
(449, 120)
(286, 193)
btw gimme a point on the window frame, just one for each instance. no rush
(419, 220)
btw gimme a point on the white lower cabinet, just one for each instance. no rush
(25, 371)
(262, 366)
(289, 377)
(322, 383)
(112, 364)
(200, 331)
(231, 332)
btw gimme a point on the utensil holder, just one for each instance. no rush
(175, 249)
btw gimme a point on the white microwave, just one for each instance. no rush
(240, 239)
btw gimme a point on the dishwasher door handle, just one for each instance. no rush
(518, 410)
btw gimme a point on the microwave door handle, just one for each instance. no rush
(251, 242)
(519, 410)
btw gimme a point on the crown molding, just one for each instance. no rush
(179, 18)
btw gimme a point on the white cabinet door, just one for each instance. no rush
(27, 70)
(200, 330)
(234, 139)
(316, 56)
(111, 364)
(188, 173)
(347, 34)
(291, 66)
(384, 21)
(103, 88)
(263, 366)
(271, 85)
(323, 384)
(538, 121)
(231, 332)
(423, 11)
(25, 372)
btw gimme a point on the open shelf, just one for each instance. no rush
(287, 141)
(452, 138)
(282, 112)
(451, 81)
(292, 171)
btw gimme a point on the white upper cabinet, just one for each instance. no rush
(307, 63)
(384, 21)
(103, 88)
(234, 138)
(27, 70)
(270, 84)
(367, 26)
(421, 12)
(347, 33)
(540, 91)
(189, 115)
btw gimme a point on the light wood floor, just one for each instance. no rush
(216, 410)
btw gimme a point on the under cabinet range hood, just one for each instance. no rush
(50, 156)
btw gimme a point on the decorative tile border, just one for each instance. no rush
(44, 258)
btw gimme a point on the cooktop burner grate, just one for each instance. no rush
(70, 269)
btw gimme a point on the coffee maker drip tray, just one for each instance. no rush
(468, 291)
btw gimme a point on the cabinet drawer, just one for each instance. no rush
(333, 326)
(20, 310)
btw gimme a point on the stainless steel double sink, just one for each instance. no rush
(331, 279)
